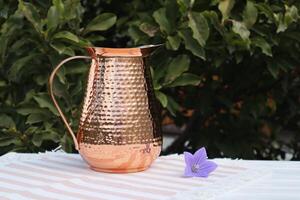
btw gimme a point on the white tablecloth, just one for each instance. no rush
(50, 176)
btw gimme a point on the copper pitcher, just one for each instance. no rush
(119, 128)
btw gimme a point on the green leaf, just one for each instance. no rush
(36, 118)
(173, 42)
(263, 45)
(239, 57)
(66, 35)
(172, 12)
(184, 5)
(67, 143)
(266, 10)
(282, 26)
(59, 5)
(156, 86)
(29, 96)
(3, 83)
(6, 121)
(60, 90)
(41, 80)
(39, 137)
(149, 29)
(177, 66)
(26, 110)
(283, 21)
(31, 130)
(250, 14)
(241, 29)
(44, 102)
(87, 42)
(20, 44)
(192, 44)
(162, 98)
(151, 71)
(4, 11)
(291, 15)
(62, 49)
(101, 23)
(96, 38)
(172, 106)
(199, 26)
(161, 18)
(273, 69)
(15, 69)
(136, 34)
(161, 69)
(52, 18)
(77, 68)
(55, 14)
(225, 7)
(7, 141)
(31, 14)
(213, 19)
(185, 79)
(73, 10)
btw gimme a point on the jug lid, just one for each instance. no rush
(141, 51)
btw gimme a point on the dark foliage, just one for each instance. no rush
(229, 75)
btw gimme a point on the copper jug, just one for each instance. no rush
(119, 128)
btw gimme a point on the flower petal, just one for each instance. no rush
(189, 159)
(206, 168)
(200, 156)
(188, 172)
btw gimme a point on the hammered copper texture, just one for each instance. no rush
(118, 104)
(120, 119)
(119, 128)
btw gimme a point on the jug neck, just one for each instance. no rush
(142, 51)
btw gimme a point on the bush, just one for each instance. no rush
(229, 73)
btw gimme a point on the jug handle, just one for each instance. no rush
(53, 97)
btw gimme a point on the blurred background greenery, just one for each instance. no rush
(228, 77)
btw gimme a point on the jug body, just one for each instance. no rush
(119, 129)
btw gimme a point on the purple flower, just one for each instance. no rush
(197, 164)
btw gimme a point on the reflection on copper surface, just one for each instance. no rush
(119, 129)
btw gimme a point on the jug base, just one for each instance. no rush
(119, 171)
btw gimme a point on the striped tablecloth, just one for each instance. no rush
(50, 176)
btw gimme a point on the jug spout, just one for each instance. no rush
(141, 51)
(147, 50)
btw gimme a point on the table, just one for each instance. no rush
(57, 175)
(282, 183)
